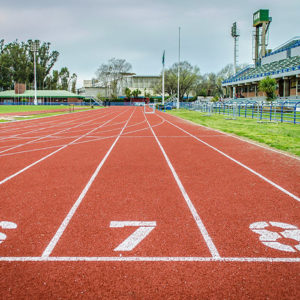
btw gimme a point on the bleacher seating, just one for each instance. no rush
(276, 67)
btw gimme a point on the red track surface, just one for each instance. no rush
(63, 180)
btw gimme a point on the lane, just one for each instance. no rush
(16, 129)
(135, 187)
(231, 200)
(14, 165)
(65, 128)
(27, 131)
(38, 199)
(282, 169)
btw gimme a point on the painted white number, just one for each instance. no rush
(6, 225)
(272, 238)
(135, 238)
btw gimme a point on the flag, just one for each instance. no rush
(163, 58)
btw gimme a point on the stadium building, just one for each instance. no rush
(283, 64)
(21, 95)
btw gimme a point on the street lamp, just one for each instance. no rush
(34, 48)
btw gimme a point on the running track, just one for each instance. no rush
(115, 203)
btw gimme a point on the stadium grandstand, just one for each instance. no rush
(283, 64)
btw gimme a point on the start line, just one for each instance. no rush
(151, 259)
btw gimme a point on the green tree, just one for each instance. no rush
(128, 93)
(268, 86)
(73, 83)
(135, 93)
(64, 75)
(16, 63)
(45, 61)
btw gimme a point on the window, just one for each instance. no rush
(293, 83)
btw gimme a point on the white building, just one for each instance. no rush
(145, 83)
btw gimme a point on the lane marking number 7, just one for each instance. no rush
(136, 237)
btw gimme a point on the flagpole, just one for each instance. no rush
(163, 80)
(178, 71)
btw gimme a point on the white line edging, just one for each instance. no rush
(241, 164)
(150, 259)
(69, 216)
(243, 139)
(48, 135)
(211, 246)
(54, 152)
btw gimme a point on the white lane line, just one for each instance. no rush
(54, 152)
(51, 134)
(226, 134)
(211, 246)
(239, 163)
(38, 129)
(93, 138)
(150, 259)
(47, 252)
(41, 118)
(12, 137)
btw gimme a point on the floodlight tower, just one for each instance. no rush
(235, 34)
(34, 48)
(261, 22)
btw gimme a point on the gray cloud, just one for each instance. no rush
(88, 33)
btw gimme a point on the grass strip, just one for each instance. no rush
(282, 136)
(41, 115)
(28, 108)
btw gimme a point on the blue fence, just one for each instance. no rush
(286, 111)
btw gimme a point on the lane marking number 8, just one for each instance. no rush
(272, 239)
(135, 238)
(6, 225)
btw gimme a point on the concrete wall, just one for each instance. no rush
(295, 51)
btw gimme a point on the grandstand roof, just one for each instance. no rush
(284, 67)
(40, 94)
(293, 42)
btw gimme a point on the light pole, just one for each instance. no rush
(163, 79)
(34, 49)
(177, 106)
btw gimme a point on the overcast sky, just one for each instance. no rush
(89, 32)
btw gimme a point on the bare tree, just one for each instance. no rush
(189, 77)
(111, 75)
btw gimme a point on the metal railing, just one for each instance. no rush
(286, 111)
